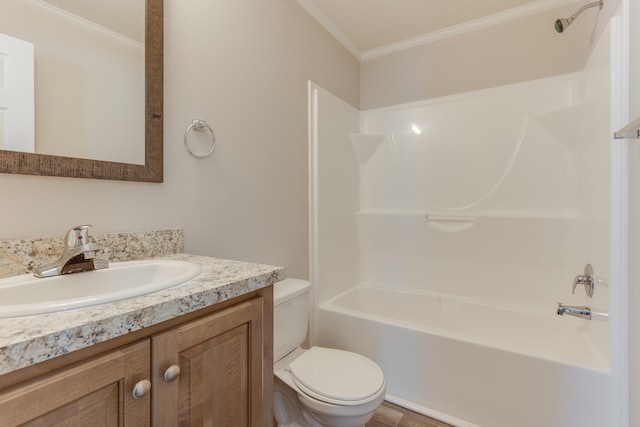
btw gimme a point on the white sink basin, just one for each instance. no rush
(25, 295)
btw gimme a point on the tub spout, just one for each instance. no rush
(577, 311)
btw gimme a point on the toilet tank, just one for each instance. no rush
(290, 315)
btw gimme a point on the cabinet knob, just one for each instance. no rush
(141, 389)
(171, 373)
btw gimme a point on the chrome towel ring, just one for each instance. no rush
(199, 126)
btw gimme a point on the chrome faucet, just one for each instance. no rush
(588, 279)
(79, 255)
(572, 310)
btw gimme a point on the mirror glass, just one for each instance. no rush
(96, 73)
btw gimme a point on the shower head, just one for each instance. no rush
(562, 23)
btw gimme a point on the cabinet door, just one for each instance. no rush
(220, 358)
(94, 393)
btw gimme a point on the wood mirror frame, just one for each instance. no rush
(14, 162)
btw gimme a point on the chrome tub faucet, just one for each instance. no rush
(588, 279)
(79, 255)
(572, 310)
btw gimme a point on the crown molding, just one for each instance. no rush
(313, 10)
(466, 27)
(86, 24)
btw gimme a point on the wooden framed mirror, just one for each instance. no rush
(15, 162)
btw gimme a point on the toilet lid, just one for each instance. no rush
(336, 375)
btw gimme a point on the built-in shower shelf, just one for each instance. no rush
(366, 145)
(632, 130)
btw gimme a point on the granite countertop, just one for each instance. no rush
(27, 340)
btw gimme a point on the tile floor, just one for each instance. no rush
(390, 415)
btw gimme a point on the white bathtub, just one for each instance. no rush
(471, 364)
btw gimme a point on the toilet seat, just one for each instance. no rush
(336, 376)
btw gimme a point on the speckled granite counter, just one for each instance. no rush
(27, 340)
(22, 256)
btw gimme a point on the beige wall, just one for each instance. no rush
(242, 65)
(519, 50)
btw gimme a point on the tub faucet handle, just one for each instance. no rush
(587, 279)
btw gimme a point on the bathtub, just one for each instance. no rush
(472, 364)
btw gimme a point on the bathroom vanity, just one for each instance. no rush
(198, 353)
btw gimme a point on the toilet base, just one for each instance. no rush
(295, 410)
(288, 411)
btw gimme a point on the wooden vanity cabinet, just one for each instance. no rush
(96, 392)
(220, 380)
(224, 355)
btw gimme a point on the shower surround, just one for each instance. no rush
(445, 232)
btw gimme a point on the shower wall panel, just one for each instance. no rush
(499, 195)
(333, 194)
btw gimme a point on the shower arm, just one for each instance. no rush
(562, 24)
(587, 6)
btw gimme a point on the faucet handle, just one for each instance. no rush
(587, 279)
(77, 236)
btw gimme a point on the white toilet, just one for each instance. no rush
(319, 387)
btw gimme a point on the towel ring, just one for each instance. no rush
(199, 126)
